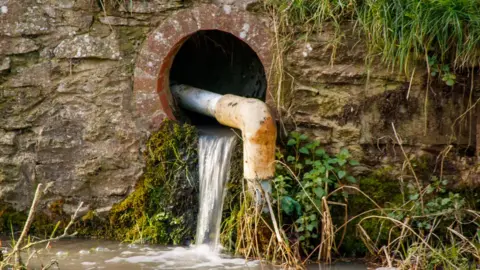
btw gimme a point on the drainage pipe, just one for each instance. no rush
(250, 115)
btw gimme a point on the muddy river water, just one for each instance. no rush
(80, 254)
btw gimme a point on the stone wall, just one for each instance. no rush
(66, 97)
(345, 101)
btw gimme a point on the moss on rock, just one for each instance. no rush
(382, 187)
(163, 207)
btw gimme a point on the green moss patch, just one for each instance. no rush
(163, 207)
(382, 187)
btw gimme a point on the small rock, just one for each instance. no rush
(17, 45)
(24, 19)
(136, 6)
(36, 75)
(5, 64)
(89, 5)
(112, 20)
(78, 19)
(86, 46)
(7, 138)
(64, 4)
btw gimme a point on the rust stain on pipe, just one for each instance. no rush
(259, 133)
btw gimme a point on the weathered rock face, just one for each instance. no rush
(345, 103)
(65, 99)
(66, 112)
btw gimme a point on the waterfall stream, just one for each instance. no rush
(215, 151)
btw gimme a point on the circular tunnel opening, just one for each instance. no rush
(219, 62)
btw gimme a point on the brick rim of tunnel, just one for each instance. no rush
(153, 99)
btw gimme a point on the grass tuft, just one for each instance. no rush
(400, 31)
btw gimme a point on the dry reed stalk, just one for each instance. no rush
(328, 235)
(419, 237)
(409, 165)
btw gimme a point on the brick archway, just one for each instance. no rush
(153, 99)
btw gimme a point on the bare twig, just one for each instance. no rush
(17, 263)
(419, 187)
(28, 223)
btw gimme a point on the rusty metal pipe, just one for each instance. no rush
(250, 115)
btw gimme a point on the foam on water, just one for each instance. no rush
(194, 257)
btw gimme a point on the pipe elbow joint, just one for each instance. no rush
(250, 115)
(259, 133)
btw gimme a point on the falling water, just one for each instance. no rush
(215, 151)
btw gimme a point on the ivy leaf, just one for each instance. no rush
(290, 158)
(289, 205)
(445, 201)
(320, 152)
(304, 150)
(341, 174)
(429, 189)
(303, 137)
(351, 179)
(310, 145)
(320, 192)
(291, 142)
(450, 82)
(321, 169)
(310, 227)
(332, 161)
(354, 162)
(344, 153)
(295, 134)
(413, 197)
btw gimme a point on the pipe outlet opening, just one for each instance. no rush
(219, 62)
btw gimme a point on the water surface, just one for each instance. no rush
(79, 254)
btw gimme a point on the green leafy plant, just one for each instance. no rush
(433, 228)
(443, 71)
(309, 176)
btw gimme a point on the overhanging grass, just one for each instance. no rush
(401, 31)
